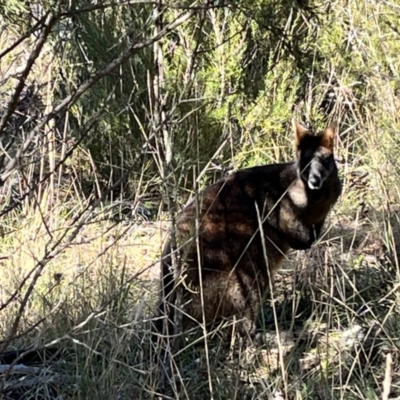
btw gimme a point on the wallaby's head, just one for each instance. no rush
(315, 160)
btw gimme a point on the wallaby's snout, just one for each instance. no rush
(314, 182)
(321, 167)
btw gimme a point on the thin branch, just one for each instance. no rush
(72, 98)
(31, 189)
(50, 21)
(24, 36)
(96, 7)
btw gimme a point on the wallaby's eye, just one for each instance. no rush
(327, 161)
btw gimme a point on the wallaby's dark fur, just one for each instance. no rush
(247, 222)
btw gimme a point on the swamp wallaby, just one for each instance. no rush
(234, 235)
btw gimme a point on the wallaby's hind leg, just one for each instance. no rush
(243, 296)
(247, 329)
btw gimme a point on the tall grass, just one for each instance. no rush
(74, 276)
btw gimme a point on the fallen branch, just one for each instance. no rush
(42, 376)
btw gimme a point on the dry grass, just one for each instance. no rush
(82, 282)
(92, 298)
(337, 308)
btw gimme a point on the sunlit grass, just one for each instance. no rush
(82, 281)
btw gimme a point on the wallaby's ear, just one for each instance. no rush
(329, 135)
(299, 131)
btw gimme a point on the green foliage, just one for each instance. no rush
(98, 38)
(14, 11)
(230, 74)
(231, 79)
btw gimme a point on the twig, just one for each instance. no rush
(46, 376)
(387, 383)
(23, 37)
(50, 21)
(19, 369)
(72, 98)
